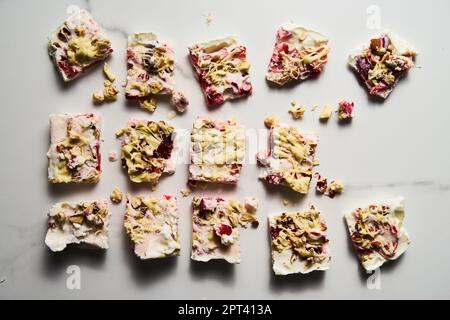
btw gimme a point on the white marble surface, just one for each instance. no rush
(400, 147)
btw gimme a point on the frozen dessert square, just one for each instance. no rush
(78, 44)
(82, 223)
(222, 69)
(299, 53)
(151, 65)
(152, 225)
(377, 232)
(217, 151)
(383, 63)
(147, 150)
(299, 242)
(290, 159)
(74, 153)
(215, 227)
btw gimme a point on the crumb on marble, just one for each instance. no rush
(112, 156)
(325, 113)
(171, 114)
(270, 121)
(185, 192)
(116, 196)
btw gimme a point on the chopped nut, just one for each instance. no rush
(110, 91)
(116, 196)
(108, 73)
(172, 114)
(316, 162)
(185, 192)
(98, 97)
(209, 19)
(296, 111)
(336, 187)
(285, 202)
(112, 156)
(78, 219)
(270, 121)
(148, 103)
(325, 113)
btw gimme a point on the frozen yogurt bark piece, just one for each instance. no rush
(382, 63)
(217, 151)
(299, 242)
(147, 150)
(74, 153)
(290, 159)
(299, 53)
(377, 232)
(222, 69)
(150, 74)
(152, 225)
(82, 223)
(78, 44)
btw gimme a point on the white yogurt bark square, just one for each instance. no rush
(82, 223)
(78, 44)
(222, 69)
(382, 63)
(377, 232)
(299, 242)
(147, 149)
(74, 153)
(151, 66)
(217, 151)
(215, 227)
(299, 53)
(152, 225)
(290, 159)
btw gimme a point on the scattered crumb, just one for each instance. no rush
(185, 192)
(209, 19)
(296, 110)
(171, 114)
(108, 73)
(112, 156)
(335, 187)
(345, 110)
(285, 202)
(316, 162)
(321, 184)
(2, 280)
(110, 91)
(314, 108)
(251, 204)
(148, 103)
(325, 113)
(248, 215)
(270, 121)
(98, 97)
(116, 195)
(179, 101)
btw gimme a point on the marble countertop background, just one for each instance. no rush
(399, 147)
